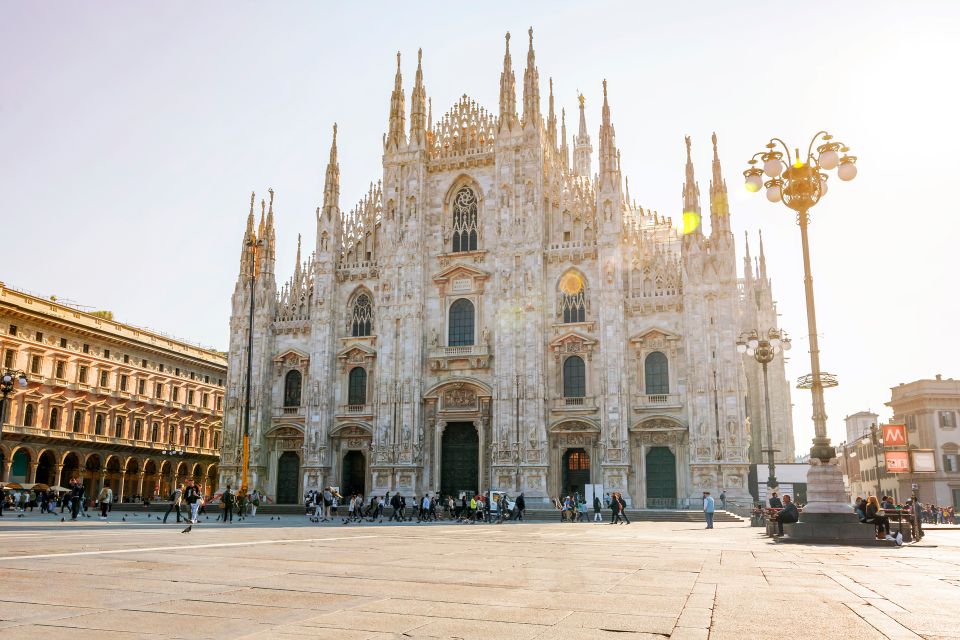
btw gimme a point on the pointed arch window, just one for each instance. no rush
(465, 232)
(572, 299)
(357, 388)
(574, 378)
(361, 316)
(461, 328)
(656, 374)
(292, 385)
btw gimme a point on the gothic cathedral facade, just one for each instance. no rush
(495, 315)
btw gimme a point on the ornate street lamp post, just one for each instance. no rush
(8, 381)
(800, 182)
(875, 441)
(763, 348)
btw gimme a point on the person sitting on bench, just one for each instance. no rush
(788, 515)
(882, 523)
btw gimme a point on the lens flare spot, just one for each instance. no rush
(799, 164)
(753, 187)
(571, 283)
(691, 222)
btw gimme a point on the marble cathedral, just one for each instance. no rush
(494, 314)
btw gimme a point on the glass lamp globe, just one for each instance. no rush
(754, 183)
(753, 343)
(847, 171)
(7, 379)
(773, 167)
(774, 195)
(23, 381)
(828, 159)
(741, 348)
(776, 350)
(775, 342)
(823, 185)
(750, 352)
(786, 345)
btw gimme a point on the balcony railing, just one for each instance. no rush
(346, 410)
(288, 411)
(466, 350)
(657, 401)
(574, 404)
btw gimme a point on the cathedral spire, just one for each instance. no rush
(418, 106)
(626, 188)
(763, 261)
(719, 204)
(396, 136)
(552, 119)
(328, 216)
(747, 270)
(508, 91)
(249, 233)
(609, 164)
(691, 196)
(531, 87)
(564, 149)
(248, 238)
(297, 269)
(582, 149)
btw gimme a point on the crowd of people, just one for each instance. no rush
(329, 505)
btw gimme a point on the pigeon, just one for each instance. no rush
(188, 529)
(278, 517)
(158, 517)
(124, 518)
(271, 517)
(63, 519)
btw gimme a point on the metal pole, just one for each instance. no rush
(771, 467)
(246, 413)
(876, 455)
(821, 443)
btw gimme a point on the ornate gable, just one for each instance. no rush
(572, 342)
(292, 358)
(356, 354)
(461, 278)
(654, 338)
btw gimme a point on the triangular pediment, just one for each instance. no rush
(356, 351)
(654, 333)
(572, 336)
(460, 270)
(291, 356)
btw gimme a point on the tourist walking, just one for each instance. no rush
(76, 498)
(623, 506)
(254, 502)
(615, 510)
(520, 506)
(175, 497)
(105, 498)
(597, 509)
(723, 499)
(708, 509)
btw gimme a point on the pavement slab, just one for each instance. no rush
(531, 581)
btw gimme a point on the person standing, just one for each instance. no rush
(175, 497)
(228, 499)
(708, 508)
(597, 508)
(192, 496)
(254, 502)
(723, 499)
(520, 505)
(76, 498)
(615, 510)
(3, 499)
(327, 503)
(105, 498)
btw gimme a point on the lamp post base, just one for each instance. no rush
(825, 491)
(828, 516)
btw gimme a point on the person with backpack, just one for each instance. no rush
(105, 499)
(597, 509)
(623, 506)
(228, 500)
(175, 496)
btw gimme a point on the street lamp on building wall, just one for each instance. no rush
(800, 182)
(763, 348)
(8, 381)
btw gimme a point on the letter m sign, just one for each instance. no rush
(894, 435)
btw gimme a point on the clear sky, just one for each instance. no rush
(132, 133)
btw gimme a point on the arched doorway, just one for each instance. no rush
(288, 478)
(20, 467)
(459, 459)
(91, 475)
(71, 469)
(354, 476)
(576, 471)
(661, 473)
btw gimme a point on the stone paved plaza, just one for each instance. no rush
(285, 579)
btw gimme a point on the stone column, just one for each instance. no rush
(32, 472)
(142, 475)
(103, 479)
(7, 465)
(123, 485)
(59, 476)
